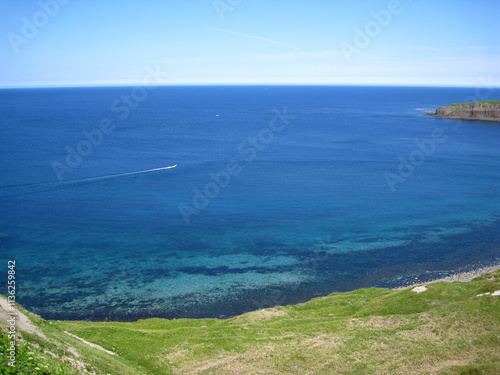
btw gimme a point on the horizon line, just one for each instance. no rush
(17, 87)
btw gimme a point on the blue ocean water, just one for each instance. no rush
(280, 194)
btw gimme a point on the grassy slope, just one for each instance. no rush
(494, 102)
(60, 354)
(446, 330)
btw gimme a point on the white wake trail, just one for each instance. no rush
(88, 179)
(118, 175)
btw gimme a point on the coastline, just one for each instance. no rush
(331, 334)
(461, 277)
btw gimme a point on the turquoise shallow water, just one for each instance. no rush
(287, 207)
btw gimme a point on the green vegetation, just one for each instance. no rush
(57, 353)
(493, 102)
(31, 359)
(447, 329)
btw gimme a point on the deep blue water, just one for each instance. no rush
(306, 210)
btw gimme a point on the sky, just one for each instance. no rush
(200, 42)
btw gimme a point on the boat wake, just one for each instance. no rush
(88, 179)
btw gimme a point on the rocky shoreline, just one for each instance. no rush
(482, 111)
(461, 277)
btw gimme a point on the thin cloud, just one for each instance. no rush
(254, 37)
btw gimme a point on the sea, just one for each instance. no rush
(125, 203)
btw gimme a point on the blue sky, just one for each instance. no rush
(113, 42)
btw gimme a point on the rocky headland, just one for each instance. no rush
(488, 110)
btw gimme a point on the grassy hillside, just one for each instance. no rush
(447, 329)
(493, 102)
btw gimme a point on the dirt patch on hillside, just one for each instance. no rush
(22, 321)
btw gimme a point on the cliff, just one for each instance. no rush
(485, 111)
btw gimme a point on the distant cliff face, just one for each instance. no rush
(472, 111)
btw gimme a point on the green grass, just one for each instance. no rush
(494, 102)
(445, 330)
(59, 354)
(31, 359)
